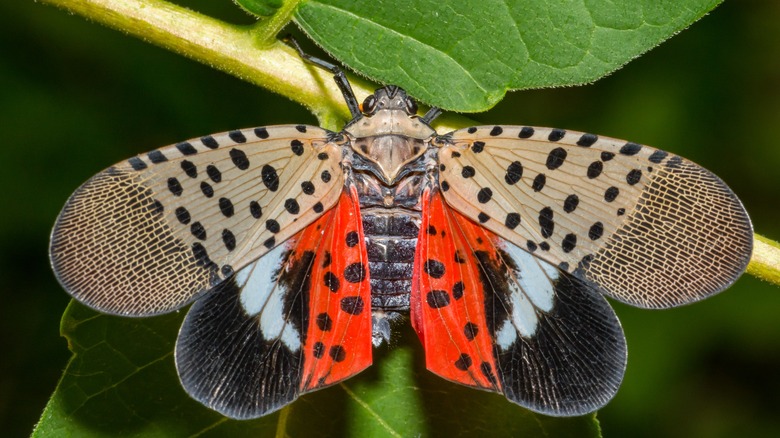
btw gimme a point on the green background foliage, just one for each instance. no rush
(76, 97)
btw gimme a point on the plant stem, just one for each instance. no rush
(231, 48)
(765, 262)
(266, 31)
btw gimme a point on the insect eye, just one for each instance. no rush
(369, 105)
(411, 106)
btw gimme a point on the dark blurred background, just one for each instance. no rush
(76, 97)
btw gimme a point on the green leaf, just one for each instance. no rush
(262, 8)
(465, 55)
(122, 381)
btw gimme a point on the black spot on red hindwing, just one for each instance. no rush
(352, 305)
(318, 349)
(324, 322)
(459, 258)
(470, 330)
(326, 259)
(464, 362)
(355, 272)
(437, 299)
(331, 281)
(434, 268)
(352, 239)
(337, 353)
(457, 290)
(487, 371)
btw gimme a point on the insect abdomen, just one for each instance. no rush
(391, 240)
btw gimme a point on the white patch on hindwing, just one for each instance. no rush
(262, 296)
(532, 287)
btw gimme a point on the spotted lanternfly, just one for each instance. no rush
(299, 246)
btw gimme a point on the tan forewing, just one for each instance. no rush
(147, 235)
(644, 226)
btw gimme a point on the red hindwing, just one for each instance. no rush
(448, 300)
(338, 340)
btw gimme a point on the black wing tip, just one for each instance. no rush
(224, 362)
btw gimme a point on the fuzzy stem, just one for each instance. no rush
(247, 52)
(765, 262)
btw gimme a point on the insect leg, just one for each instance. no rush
(338, 75)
